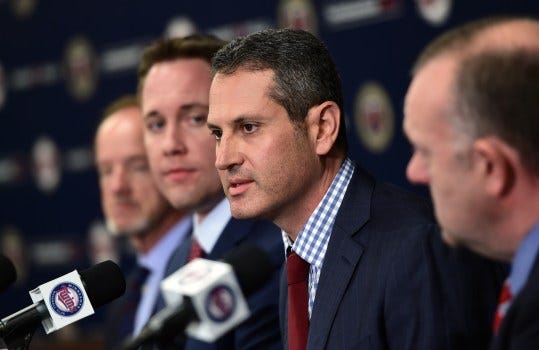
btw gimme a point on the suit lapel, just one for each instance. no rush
(234, 232)
(342, 256)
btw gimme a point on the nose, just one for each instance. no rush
(174, 141)
(227, 154)
(119, 182)
(416, 171)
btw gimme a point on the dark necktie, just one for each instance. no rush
(196, 250)
(297, 271)
(132, 296)
(504, 302)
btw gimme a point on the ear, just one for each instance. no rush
(497, 163)
(323, 125)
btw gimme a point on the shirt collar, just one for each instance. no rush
(163, 249)
(207, 231)
(523, 260)
(312, 240)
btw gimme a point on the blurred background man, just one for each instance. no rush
(135, 209)
(174, 83)
(472, 115)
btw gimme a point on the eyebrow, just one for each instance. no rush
(183, 109)
(237, 121)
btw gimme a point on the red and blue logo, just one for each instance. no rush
(66, 299)
(220, 303)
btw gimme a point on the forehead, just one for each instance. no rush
(430, 91)
(120, 130)
(125, 120)
(181, 77)
(241, 92)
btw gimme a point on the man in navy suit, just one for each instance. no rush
(378, 275)
(472, 114)
(134, 208)
(174, 83)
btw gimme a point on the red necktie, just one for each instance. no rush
(196, 250)
(504, 302)
(297, 271)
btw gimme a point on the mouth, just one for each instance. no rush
(237, 187)
(178, 174)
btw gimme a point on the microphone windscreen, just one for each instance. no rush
(251, 265)
(8, 275)
(103, 282)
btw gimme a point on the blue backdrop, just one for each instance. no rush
(62, 61)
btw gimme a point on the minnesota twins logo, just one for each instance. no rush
(66, 299)
(220, 303)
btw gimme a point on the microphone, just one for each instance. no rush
(64, 301)
(8, 275)
(204, 296)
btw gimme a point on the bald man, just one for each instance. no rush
(472, 116)
(134, 208)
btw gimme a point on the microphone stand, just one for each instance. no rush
(20, 339)
(17, 330)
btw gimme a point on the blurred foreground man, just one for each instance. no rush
(472, 115)
(134, 208)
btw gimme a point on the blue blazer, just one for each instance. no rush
(520, 327)
(261, 329)
(389, 282)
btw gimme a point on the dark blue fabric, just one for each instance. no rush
(122, 314)
(261, 330)
(520, 327)
(389, 282)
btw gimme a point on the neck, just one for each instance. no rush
(144, 242)
(203, 212)
(294, 219)
(517, 216)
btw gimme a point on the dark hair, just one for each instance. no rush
(304, 73)
(497, 93)
(193, 46)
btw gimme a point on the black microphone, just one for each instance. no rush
(251, 269)
(102, 282)
(8, 275)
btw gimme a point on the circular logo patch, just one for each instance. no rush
(81, 68)
(436, 12)
(299, 14)
(46, 164)
(66, 299)
(220, 303)
(374, 117)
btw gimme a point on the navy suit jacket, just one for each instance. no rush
(520, 327)
(261, 329)
(389, 282)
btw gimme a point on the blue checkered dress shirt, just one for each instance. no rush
(312, 241)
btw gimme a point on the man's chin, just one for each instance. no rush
(125, 231)
(450, 239)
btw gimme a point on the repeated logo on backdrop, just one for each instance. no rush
(23, 8)
(435, 12)
(298, 14)
(375, 121)
(46, 164)
(81, 69)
